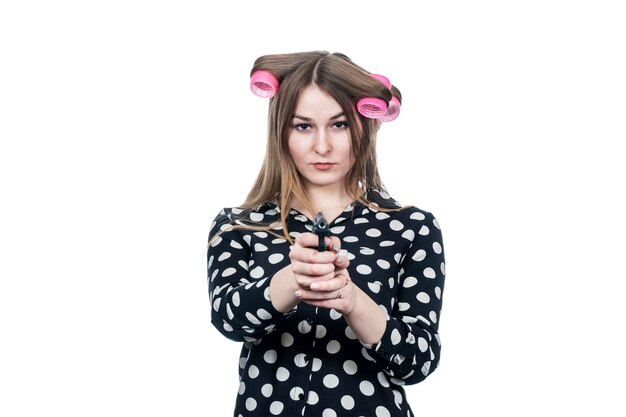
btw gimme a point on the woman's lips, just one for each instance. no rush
(323, 166)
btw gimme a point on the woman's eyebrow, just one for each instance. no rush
(307, 119)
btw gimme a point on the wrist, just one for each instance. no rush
(282, 288)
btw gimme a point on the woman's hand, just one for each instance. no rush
(322, 277)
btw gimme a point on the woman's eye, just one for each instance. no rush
(341, 125)
(301, 127)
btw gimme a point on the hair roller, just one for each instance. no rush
(375, 108)
(263, 84)
(392, 111)
(383, 80)
(372, 107)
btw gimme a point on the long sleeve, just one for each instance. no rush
(410, 348)
(309, 361)
(238, 290)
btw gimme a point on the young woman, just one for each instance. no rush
(336, 331)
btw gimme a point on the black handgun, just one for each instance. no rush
(320, 228)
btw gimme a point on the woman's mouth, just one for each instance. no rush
(322, 166)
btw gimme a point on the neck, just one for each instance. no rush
(330, 200)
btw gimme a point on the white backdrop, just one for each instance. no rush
(126, 126)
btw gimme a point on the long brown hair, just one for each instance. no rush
(334, 73)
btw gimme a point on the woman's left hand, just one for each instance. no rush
(338, 292)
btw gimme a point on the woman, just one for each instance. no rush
(338, 331)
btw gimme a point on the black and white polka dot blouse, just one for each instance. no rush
(308, 362)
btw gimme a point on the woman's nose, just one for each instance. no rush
(322, 143)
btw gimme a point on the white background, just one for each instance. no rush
(126, 126)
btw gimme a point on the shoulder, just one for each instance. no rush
(422, 226)
(420, 220)
(416, 213)
(410, 217)
(396, 210)
(382, 199)
(229, 216)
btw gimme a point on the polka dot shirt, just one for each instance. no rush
(308, 362)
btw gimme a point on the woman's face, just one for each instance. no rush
(319, 139)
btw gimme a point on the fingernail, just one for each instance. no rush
(315, 286)
(298, 293)
(327, 241)
(339, 259)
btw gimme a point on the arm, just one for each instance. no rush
(409, 349)
(405, 342)
(240, 303)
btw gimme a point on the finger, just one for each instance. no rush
(308, 296)
(334, 284)
(342, 261)
(312, 270)
(311, 256)
(310, 240)
(335, 244)
(305, 281)
(328, 298)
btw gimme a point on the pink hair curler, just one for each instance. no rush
(383, 80)
(392, 111)
(375, 108)
(263, 84)
(372, 107)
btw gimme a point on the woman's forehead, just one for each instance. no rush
(314, 102)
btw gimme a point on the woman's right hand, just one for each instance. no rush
(293, 282)
(321, 276)
(308, 264)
